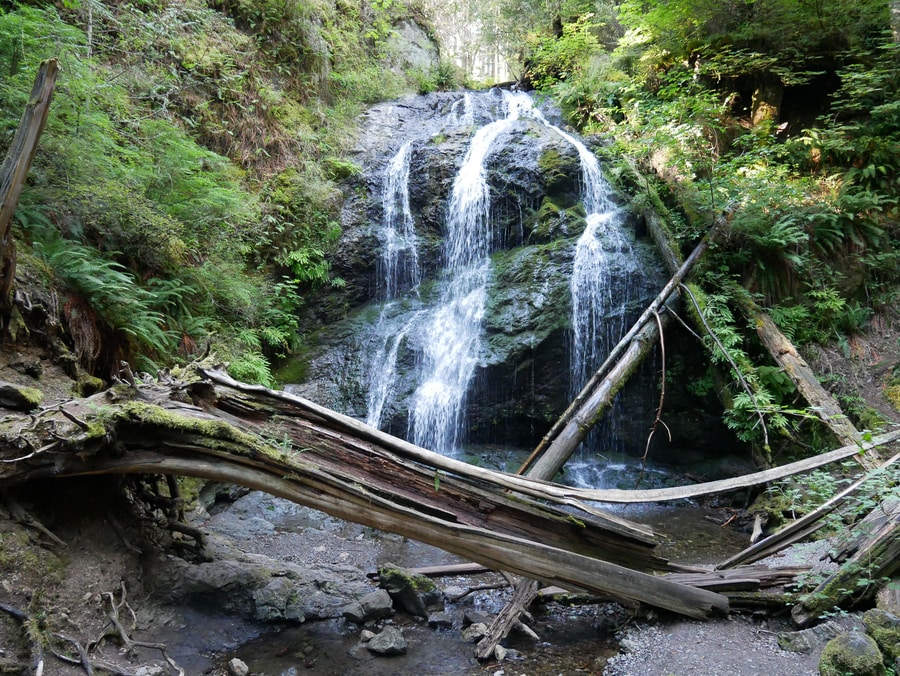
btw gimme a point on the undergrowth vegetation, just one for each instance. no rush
(789, 114)
(183, 197)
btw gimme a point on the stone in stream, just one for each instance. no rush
(374, 606)
(440, 619)
(389, 642)
(410, 591)
(475, 632)
(237, 667)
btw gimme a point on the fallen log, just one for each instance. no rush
(17, 164)
(807, 524)
(858, 578)
(795, 367)
(250, 436)
(585, 410)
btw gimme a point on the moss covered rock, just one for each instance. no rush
(854, 653)
(884, 627)
(411, 591)
(19, 397)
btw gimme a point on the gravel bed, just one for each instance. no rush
(738, 646)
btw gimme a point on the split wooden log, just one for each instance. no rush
(859, 577)
(795, 367)
(291, 448)
(16, 166)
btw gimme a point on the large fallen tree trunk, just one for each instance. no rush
(819, 399)
(215, 428)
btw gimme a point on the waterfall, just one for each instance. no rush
(421, 355)
(399, 260)
(602, 286)
(602, 255)
(452, 334)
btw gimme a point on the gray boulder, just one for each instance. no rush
(374, 606)
(389, 642)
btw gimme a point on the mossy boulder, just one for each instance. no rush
(555, 219)
(854, 653)
(884, 627)
(559, 170)
(411, 591)
(19, 397)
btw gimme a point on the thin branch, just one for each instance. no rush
(662, 391)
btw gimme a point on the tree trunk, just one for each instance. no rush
(785, 355)
(15, 169)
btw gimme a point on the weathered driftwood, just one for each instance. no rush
(819, 399)
(508, 618)
(17, 164)
(218, 429)
(745, 578)
(809, 523)
(858, 578)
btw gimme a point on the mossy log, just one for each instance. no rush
(819, 399)
(877, 557)
(209, 426)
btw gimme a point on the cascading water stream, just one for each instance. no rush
(452, 334)
(399, 260)
(446, 336)
(598, 295)
(399, 271)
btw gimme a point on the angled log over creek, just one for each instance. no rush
(210, 426)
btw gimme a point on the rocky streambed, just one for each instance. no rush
(293, 576)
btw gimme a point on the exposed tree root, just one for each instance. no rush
(129, 643)
(20, 515)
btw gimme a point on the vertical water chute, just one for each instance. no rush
(452, 333)
(399, 261)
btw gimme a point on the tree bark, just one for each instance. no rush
(16, 166)
(819, 399)
(859, 577)
(215, 428)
